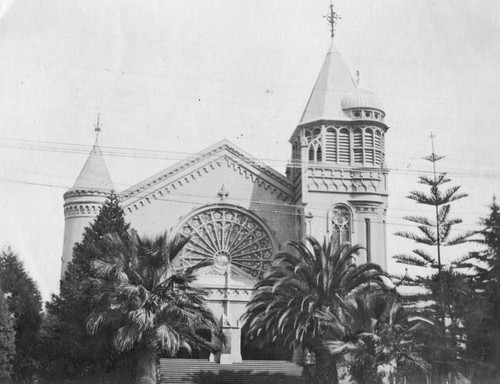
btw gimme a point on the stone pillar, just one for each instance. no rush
(298, 354)
(231, 351)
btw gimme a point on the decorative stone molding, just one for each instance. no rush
(219, 294)
(285, 194)
(81, 192)
(346, 180)
(71, 210)
(368, 207)
(208, 154)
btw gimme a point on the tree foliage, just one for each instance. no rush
(25, 305)
(288, 305)
(377, 333)
(65, 347)
(150, 304)
(443, 290)
(483, 319)
(7, 339)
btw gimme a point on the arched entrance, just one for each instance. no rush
(241, 246)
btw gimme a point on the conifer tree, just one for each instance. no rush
(441, 285)
(7, 340)
(25, 306)
(66, 347)
(483, 320)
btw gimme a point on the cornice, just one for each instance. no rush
(86, 193)
(187, 171)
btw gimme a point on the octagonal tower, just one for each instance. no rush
(338, 162)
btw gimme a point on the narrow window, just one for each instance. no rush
(311, 153)
(368, 145)
(340, 224)
(358, 146)
(344, 146)
(331, 145)
(368, 239)
(319, 154)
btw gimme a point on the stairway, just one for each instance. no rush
(191, 371)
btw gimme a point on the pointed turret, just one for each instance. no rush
(84, 200)
(333, 83)
(94, 175)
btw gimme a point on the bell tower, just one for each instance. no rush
(338, 161)
(83, 201)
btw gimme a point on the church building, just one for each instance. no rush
(238, 211)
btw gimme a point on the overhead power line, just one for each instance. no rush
(127, 152)
(262, 203)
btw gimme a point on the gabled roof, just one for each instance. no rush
(94, 175)
(334, 81)
(188, 168)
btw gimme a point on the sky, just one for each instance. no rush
(170, 78)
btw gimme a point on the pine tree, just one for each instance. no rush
(25, 305)
(483, 345)
(7, 339)
(440, 283)
(66, 347)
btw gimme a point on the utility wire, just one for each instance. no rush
(287, 212)
(127, 152)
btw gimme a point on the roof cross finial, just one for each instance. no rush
(97, 125)
(332, 18)
(358, 78)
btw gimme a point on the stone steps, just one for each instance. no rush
(187, 371)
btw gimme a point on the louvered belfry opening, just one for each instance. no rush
(347, 146)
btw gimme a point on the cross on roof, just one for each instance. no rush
(223, 193)
(97, 125)
(332, 18)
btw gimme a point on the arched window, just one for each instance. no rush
(313, 137)
(311, 152)
(228, 236)
(319, 154)
(340, 225)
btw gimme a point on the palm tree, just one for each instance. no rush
(151, 305)
(287, 305)
(378, 333)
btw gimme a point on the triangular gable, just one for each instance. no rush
(194, 166)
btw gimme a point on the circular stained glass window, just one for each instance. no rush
(227, 236)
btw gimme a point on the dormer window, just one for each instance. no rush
(357, 113)
(368, 114)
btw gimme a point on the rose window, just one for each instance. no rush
(227, 237)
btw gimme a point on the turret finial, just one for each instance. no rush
(97, 125)
(358, 78)
(332, 18)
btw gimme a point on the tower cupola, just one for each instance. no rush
(361, 104)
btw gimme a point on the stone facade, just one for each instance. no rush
(238, 211)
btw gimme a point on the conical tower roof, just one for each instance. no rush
(94, 175)
(334, 81)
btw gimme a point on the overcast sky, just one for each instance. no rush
(170, 78)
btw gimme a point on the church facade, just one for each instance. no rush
(238, 211)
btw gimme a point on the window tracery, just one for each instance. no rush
(340, 224)
(227, 236)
